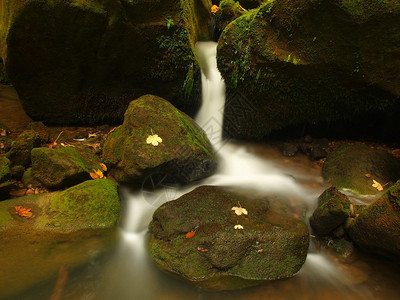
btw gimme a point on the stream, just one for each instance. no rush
(128, 273)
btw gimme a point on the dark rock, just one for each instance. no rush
(29, 180)
(41, 129)
(343, 247)
(184, 155)
(17, 172)
(355, 166)
(63, 167)
(20, 152)
(290, 149)
(332, 211)
(338, 232)
(5, 172)
(377, 228)
(317, 153)
(89, 59)
(228, 11)
(272, 244)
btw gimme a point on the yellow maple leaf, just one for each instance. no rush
(96, 174)
(103, 166)
(23, 211)
(239, 210)
(377, 185)
(154, 139)
(238, 227)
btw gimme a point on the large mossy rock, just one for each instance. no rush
(332, 211)
(5, 171)
(89, 205)
(308, 61)
(87, 60)
(355, 166)
(377, 228)
(63, 167)
(184, 155)
(272, 244)
(20, 152)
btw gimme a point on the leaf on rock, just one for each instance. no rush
(238, 227)
(3, 132)
(201, 249)
(103, 166)
(23, 211)
(239, 210)
(96, 174)
(153, 139)
(190, 234)
(377, 185)
(214, 9)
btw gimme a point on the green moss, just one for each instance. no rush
(5, 173)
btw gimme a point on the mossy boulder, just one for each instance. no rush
(86, 60)
(5, 172)
(185, 153)
(63, 167)
(332, 211)
(272, 244)
(305, 62)
(89, 205)
(354, 166)
(20, 152)
(228, 11)
(377, 228)
(41, 129)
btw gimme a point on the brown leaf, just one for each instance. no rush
(201, 249)
(3, 132)
(190, 234)
(23, 211)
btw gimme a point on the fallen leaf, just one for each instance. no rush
(51, 145)
(377, 185)
(23, 211)
(260, 251)
(112, 130)
(90, 135)
(239, 210)
(214, 9)
(153, 139)
(190, 234)
(238, 226)
(103, 166)
(3, 132)
(96, 174)
(201, 249)
(368, 175)
(1, 146)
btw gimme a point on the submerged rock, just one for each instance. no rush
(355, 166)
(307, 61)
(20, 152)
(91, 204)
(221, 256)
(183, 154)
(332, 211)
(377, 228)
(88, 59)
(63, 167)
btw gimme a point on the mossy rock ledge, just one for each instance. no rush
(184, 155)
(93, 204)
(377, 228)
(272, 244)
(289, 63)
(88, 59)
(354, 166)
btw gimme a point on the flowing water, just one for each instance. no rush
(128, 273)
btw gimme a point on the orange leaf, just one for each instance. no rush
(201, 249)
(190, 234)
(96, 174)
(23, 211)
(112, 130)
(103, 166)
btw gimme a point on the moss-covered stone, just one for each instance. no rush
(17, 172)
(87, 60)
(332, 211)
(5, 172)
(63, 167)
(91, 204)
(355, 166)
(185, 153)
(377, 228)
(41, 129)
(20, 152)
(272, 245)
(228, 11)
(296, 62)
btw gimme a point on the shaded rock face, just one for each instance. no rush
(310, 61)
(332, 211)
(91, 204)
(20, 152)
(63, 167)
(355, 166)
(5, 172)
(184, 155)
(377, 228)
(271, 245)
(87, 60)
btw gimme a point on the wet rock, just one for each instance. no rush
(20, 152)
(185, 154)
(5, 172)
(317, 153)
(272, 244)
(41, 129)
(342, 247)
(274, 55)
(63, 167)
(89, 59)
(17, 172)
(91, 204)
(228, 11)
(355, 166)
(332, 211)
(290, 149)
(376, 229)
